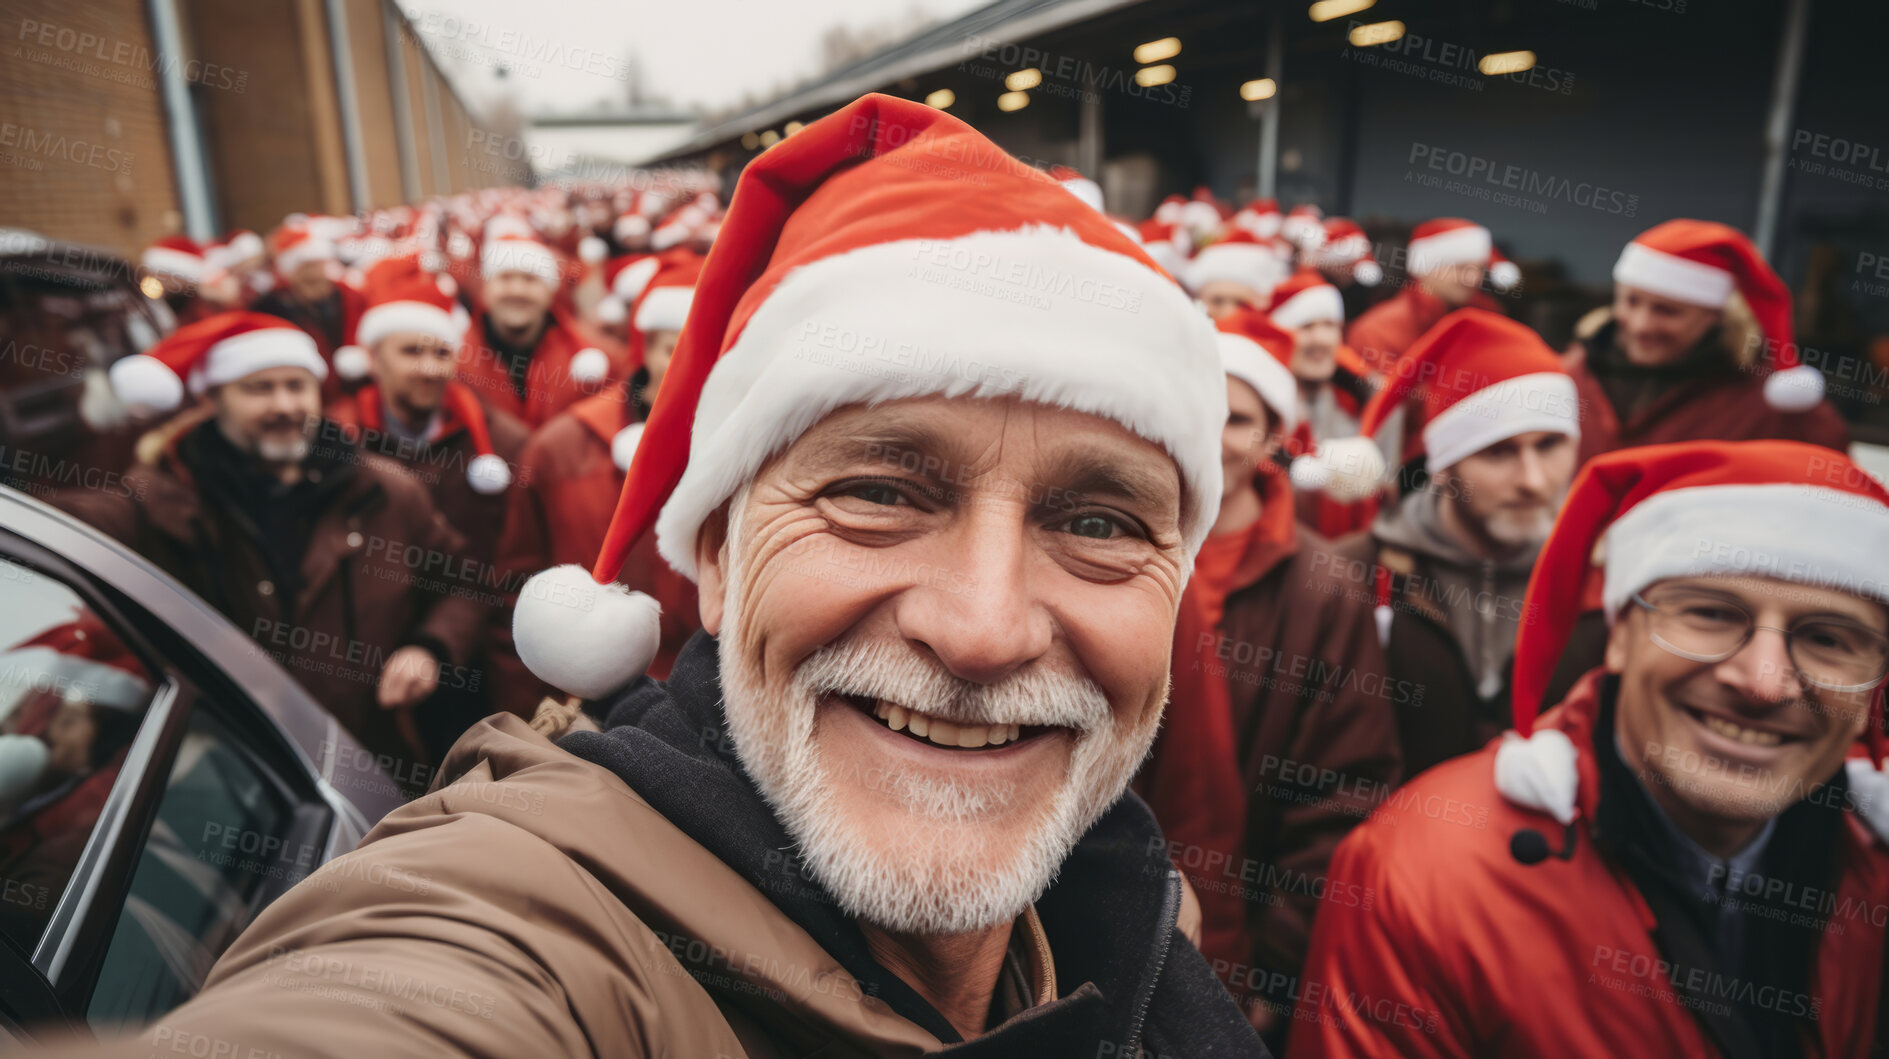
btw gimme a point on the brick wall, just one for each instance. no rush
(83, 153)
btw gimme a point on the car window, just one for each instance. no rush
(224, 834)
(71, 699)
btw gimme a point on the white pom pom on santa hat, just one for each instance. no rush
(1367, 273)
(611, 310)
(488, 474)
(1539, 772)
(590, 365)
(623, 445)
(586, 638)
(352, 362)
(1794, 389)
(591, 250)
(142, 381)
(1347, 469)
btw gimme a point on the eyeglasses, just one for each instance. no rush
(1830, 653)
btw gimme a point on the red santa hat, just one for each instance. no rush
(519, 254)
(403, 297)
(1254, 350)
(664, 304)
(1705, 263)
(1304, 227)
(211, 352)
(177, 256)
(1167, 243)
(1306, 298)
(625, 277)
(820, 296)
(1638, 516)
(1474, 379)
(630, 229)
(293, 246)
(1170, 209)
(1239, 258)
(1078, 185)
(1346, 247)
(1448, 241)
(1261, 217)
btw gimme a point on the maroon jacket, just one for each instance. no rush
(1722, 406)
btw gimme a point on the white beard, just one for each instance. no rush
(1520, 531)
(293, 450)
(960, 880)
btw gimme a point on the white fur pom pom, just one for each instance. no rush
(488, 474)
(1797, 389)
(590, 365)
(1539, 772)
(1352, 470)
(146, 382)
(352, 362)
(591, 250)
(581, 637)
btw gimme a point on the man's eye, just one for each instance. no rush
(875, 493)
(1097, 527)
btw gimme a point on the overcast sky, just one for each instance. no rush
(568, 54)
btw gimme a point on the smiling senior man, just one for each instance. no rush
(938, 447)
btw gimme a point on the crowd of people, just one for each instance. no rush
(849, 544)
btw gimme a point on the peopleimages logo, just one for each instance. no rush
(1509, 184)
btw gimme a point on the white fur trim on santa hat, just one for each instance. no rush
(631, 226)
(1807, 534)
(667, 236)
(1675, 277)
(1540, 772)
(597, 638)
(353, 362)
(1251, 265)
(519, 255)
(181, 264)
(591, 250)
(408, 318)
(623, 445)
(1797, 389)
(611, 310)
(634, 277)
(488, 474)
(1468, 245)
(1085, 328)
(1539, 401)
(1321, 302)
(313, 248)
(245, 245)
(146, 382)
(1248, 361)
(590, 365)
(254, 351)
(664, 309)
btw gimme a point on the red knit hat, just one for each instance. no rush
(1472, 380)
(1638, 516)
(403, 297)
(1254, 350)
(1448, 241)
(830, 286)
(178, 256)
(1306, 298)
(292, 246)
(1346, 247)
(1705, 263)
(211, 352)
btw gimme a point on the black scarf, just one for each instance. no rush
(1109, 916)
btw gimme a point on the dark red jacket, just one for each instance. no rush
(1382, 333)
(1434, 941)
(561, 505)
(549, 385)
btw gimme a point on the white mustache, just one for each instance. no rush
(1033, 695)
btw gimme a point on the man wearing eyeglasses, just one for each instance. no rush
(1686, 856)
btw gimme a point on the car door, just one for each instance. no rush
(144, 840)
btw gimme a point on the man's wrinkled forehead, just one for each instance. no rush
(930, 440)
